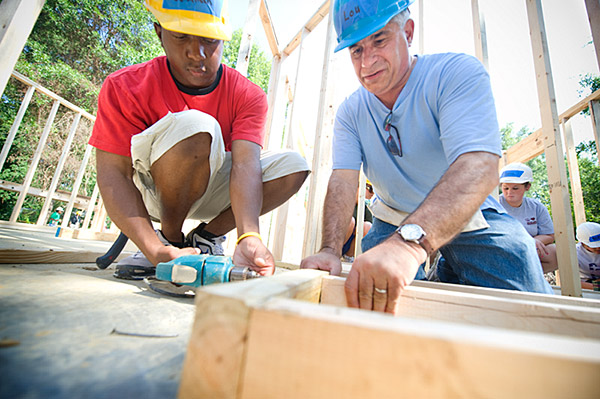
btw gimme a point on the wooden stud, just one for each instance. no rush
(321, 152)
(595, 116)
(484, 310)
(574, 177)
(265, 18)
(247, 37)
(15, 126)
(310, 25)
(34, 162)
(58, 170)
(593, 11)
(479, 34)
(17, 18)
(76, 185)
(557, 175)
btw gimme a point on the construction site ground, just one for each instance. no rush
(70, 330)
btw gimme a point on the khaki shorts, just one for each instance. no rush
(148, 146)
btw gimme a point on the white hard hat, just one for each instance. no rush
(516, 173)
(589, 234)
(60, 208)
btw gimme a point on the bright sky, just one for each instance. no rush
(448, 27)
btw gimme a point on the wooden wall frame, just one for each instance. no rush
(270, 338)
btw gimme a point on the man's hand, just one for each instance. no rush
(379, 275)
(540, 248)
(326, 260)
(252, 252)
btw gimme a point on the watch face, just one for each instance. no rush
(411, 232)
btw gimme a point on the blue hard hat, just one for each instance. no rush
(356, 19)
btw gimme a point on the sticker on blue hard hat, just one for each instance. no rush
(595, 238)
(204, 6)
(512, 173)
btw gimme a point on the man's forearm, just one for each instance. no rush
(246, 196)
(337, 210)
(456, 197)
(122, 200)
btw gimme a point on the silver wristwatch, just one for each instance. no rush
(415, 233)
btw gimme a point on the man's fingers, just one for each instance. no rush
(393, 299)
(351, 288)
(380, 295)
(365, 291)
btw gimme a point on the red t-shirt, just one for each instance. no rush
(134, 98)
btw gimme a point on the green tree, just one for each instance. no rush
(259, 66)
(589, 172)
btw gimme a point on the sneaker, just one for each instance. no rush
(210, 246)
(137, 266)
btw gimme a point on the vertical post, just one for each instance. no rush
(272, 96)
(595, 116)
(479, 34)
(15, 126)
(34, 162)
(321, 152)
(574, 176)
(593, 11)
(76, 185)
(57, 172)
(17, 18)
(282, 211)
(247, 36)
(90, 208)
(557, 174)
(421, 29)
(360, 214)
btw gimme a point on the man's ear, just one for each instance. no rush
(158, 30)
(409, 30)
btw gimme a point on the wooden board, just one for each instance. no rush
(256, 339)
(485, 310)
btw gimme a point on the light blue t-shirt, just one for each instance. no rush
(532, 214)
(445, 110)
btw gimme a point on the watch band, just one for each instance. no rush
(422, 241)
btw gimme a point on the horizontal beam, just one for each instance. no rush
(533, 145)
(53, 95)
(312, 23)
(81, 201)
(267, 23)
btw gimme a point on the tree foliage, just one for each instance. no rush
(74, 46)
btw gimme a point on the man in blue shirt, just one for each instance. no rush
(424, 128)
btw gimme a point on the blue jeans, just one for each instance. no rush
(500, 256)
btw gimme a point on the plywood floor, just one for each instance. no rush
(64, 326)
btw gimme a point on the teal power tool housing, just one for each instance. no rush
(199, 270)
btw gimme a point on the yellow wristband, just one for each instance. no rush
(250, 234)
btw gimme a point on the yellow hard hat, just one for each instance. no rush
(207, 18)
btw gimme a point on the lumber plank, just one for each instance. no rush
(500, 293)
(473, 309)
(348, 353)
(215, 358)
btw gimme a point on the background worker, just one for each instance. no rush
(515, 181)
(588, 254)
(180, 137)
(424, 129)
(55, 216)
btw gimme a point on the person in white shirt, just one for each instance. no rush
(515, 181)
(588, 254)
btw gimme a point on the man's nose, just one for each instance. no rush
(368, 57)
(196, 50)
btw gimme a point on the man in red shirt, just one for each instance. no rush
(180, 137)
